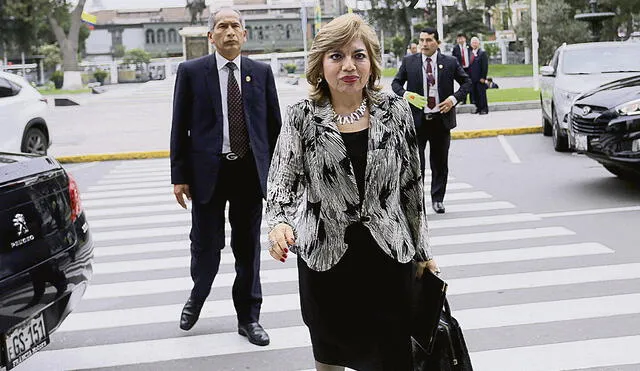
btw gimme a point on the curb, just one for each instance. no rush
(112, 157)
(470, 134)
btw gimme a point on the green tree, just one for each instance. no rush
(52, 56)
(136, 56)
(555, 26)
(394, 16)
(468, 23)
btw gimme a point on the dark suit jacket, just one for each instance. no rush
(456, 53)
(479, 68)
(411, 72)
(196, 128)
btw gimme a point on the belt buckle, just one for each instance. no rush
(230, 156)
(428, 116)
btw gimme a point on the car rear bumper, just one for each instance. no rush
(52, 288)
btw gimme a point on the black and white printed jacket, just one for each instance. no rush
(311, 184)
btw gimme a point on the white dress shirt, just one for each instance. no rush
(435, 68)
(223, 76)
(465, 52)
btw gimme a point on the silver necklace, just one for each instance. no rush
(352, 117)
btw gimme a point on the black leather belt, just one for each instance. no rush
(230, 156)
(431, 116)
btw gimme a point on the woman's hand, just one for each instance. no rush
(281, 237)
(430, 265)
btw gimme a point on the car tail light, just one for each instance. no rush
(74, 196)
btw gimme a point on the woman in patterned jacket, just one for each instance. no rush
(344, 194)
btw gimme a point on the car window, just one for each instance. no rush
(601, 60)
(8, 89)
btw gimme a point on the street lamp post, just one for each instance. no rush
(534, 44)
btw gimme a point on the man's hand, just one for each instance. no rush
(445, 106)
(180, 191)
(281, 237)
(415, 99)
(482, 81)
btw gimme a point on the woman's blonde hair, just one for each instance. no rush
(339, 32)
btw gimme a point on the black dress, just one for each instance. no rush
(357, 311)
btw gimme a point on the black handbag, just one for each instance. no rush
(449, 351)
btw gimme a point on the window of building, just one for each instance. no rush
(151, 37)
(162, 36)
(173, 36)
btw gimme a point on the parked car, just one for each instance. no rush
(23, 116)
(575, 69)
(46, 253)
(605, 125)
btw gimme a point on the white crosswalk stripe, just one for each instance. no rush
(487, 248)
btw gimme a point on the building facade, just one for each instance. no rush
(272, 26)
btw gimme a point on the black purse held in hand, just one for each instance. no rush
(449, 352)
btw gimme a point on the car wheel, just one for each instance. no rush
(621, 173)
(560, 141)
(35, 141)
(546, 125)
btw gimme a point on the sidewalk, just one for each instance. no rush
(134, 121)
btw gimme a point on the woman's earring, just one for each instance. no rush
(319, 81)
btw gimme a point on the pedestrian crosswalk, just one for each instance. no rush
(515, 279)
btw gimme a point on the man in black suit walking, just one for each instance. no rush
(429, 76)
(462, 52)
(226, 120)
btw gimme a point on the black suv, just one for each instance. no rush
(605, 125)
(46, 253)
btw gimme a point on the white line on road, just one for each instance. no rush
(458, 286)
(138, 175)
(186, 347)
(513, 157)
(155, 178)
(95, 213)
(166, 190)
(128, 186)
(466, 196)
(445, 260)
(563, 214)
(169, 198)
(561, 356)
(514, 234)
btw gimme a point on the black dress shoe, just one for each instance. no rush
(190, 313)
(484, 112)
(438, 207)
(254, 332)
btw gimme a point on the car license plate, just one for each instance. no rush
(581, 142)
(24, 340)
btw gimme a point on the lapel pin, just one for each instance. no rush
(440, 66)
(248, 78)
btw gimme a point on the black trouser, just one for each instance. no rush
(480, 96)
(238, 185)
(439, 139)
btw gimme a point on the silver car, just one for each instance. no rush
(575, 69)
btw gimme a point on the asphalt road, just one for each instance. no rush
(137, 117)
(539, 249)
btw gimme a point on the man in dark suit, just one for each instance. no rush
(478, 73)
(462, 52)
(429, 76)
(226, 120)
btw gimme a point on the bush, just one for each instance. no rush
(100, 75)
(290, 68)
(58, 79)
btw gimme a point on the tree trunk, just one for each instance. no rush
(69, 43)
(464, 5)
(408, 28)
